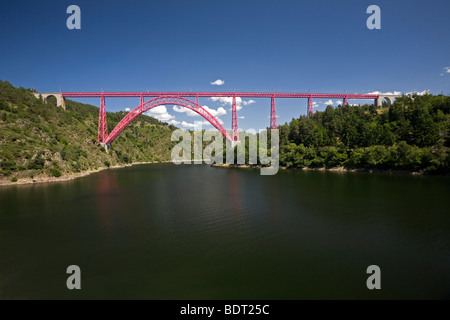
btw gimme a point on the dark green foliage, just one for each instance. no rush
(56, 172)
(72, 153)
(8, 165)
(16, 96)
(41, 137)
(412, 135)
(36, 164)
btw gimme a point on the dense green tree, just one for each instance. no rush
(41, 138)
(412, 134)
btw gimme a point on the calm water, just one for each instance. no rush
(196, 232)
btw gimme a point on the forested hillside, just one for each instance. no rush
(40, 139)
(412, 135)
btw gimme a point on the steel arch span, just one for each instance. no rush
(143, 107)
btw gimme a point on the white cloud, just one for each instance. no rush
(329, 103)
(207, 123)
(127, 109)
(247, 102)
(158, 110)
(188, 111)
(218, 82)
(226, 100)
(216, 113)
(164, 117)
(160, 113)
(447, 69)
(188, 125)
(241, 117)
(174, 122)
(198, 124)
(420, 93)
(386, 93)
(229, 101)
(203, 123)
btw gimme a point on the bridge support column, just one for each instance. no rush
(310, 106)
(345, 101)
(142, 100)
(234, 124)
(60, 102)
(273, 115)
(107, 146)
(102, 126)
(379, 101)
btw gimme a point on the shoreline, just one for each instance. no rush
(334, 169)
(72, 176)
(69, 176)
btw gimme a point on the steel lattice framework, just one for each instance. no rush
(218, 94)
(273, 115)
(234, 121)
(143, 107)
(179, 98)
(102, 126)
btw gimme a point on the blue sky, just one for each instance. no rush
(286, 46)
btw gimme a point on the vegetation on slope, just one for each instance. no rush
(411, 135)
(38, 138)
(41, 139)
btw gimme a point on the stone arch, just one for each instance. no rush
(388, 98)
(50, 97)
(60, 102)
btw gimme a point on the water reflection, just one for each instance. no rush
(107, 197)
(190, 232)
(233, 191)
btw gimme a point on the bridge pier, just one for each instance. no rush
(310, 106)
(273, 115)
(107, 146)
(60, 102)
(102, 126)
(234, 121)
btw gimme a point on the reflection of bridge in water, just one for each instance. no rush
(180, 99)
